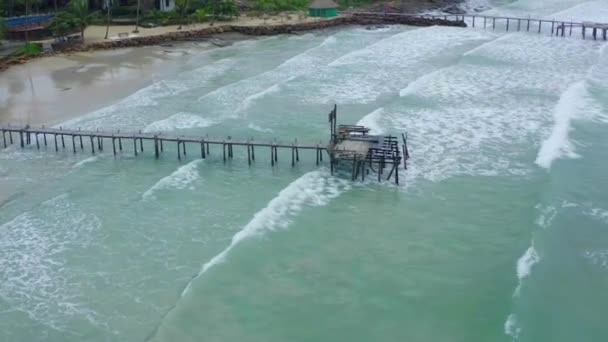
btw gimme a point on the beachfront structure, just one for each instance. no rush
(323, 8)
(166, 5)
(348, 145)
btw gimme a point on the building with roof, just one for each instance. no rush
(323, 8)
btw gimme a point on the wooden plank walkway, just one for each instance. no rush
(29, 136)
(557, 27)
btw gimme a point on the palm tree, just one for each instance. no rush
(137, 18)
(80, 16)
(109, 4)
(182, 4)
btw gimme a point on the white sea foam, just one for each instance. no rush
(178, 121)
(546, 215)
(315, 188)
(371, 121)
(597, 257)
(557, 145)
(524, 266)
(35, 275)
(85, 161)
(249, 100)
(512, 327)
(526, 262)
(182, 178)
(258, 128)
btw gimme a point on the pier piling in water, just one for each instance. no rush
(350, 143)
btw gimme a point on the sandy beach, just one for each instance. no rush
(51, 90)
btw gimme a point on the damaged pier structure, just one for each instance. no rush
(353, 146)
(348, 144)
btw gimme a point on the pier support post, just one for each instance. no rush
(120, 144)
(73, 143)
(207, 148)
(81, 144)
(396, 174)
(203, 156)
(135, 146)
(473, 21)
(540, 24)
(276, 154)
(4, 138)
(141, 145)
(552, 26)
(184, 147)
(21, 139)
(518, 25)
(595, 33)
(114, 145)
(493, 23)
(584, 31)
(62, 142)
(485, 21)
(156, 152)
(252, 152)
(249, 154)
(528, 26)
(56, 148)
(317, 161)
(162, 149)
(92, 145)
(179, 152)
(354, 171)
(271, 156)
(331, 165)
(293, 156)
(570, 28)
(10, 136)
(224, 152)
(297, 154)
(37, 142)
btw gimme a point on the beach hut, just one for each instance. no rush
(323, 8)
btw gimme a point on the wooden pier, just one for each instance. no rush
(361, 152)
(79, 140)
(559, 28)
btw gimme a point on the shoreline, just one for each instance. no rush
(251, 29)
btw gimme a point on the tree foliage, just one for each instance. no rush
(76, 17)
(222, 9)
(273, 6)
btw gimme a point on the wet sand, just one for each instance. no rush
(51, 90)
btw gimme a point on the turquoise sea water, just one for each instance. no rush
(498, 232)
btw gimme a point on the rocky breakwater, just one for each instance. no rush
(355, 19)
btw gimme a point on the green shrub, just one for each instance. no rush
(30, 49)
(199, 15)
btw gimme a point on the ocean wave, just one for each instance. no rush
(85, 161)
(372, 121)
(524, 266)
(315, 188)
(178, 121)
(258, 128)
(182, 178)
(35, 277)
(512, 327)
(558, 145)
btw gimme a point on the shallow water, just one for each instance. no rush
(498, 231)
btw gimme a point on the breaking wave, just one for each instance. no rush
(178, 121)
(182, 178)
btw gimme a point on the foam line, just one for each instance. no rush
(315, 188)
(180, 179)
(558, 145)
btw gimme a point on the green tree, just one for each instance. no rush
(2, 28)
(76, 16)
(109, 4)
(182, 6)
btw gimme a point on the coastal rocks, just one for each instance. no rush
(363, 19)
